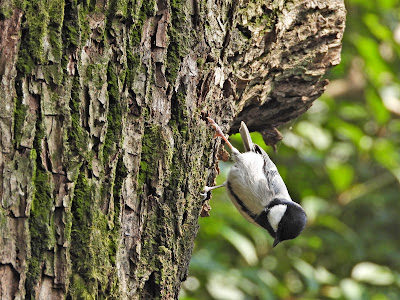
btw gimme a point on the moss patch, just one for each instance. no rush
(41, 224)
(147, 10)
(6, 9)
(33, 31)
(121, 173)
(176, 49)
(114, 116)
(93, 246)
(179, 113)
(71, 27)
(41, 229)
(56, 19)
(133, 62)
(81, 260)
(151, 140)
(77, 137)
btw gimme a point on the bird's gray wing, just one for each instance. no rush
(246, 138)
(274, 179)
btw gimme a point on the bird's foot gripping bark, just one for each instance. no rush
(208, 189)
(218, 131)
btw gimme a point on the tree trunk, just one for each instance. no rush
(104, 152)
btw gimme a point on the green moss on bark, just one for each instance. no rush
(41, 223)
(177, 41)
(6, 9)
(56, 19)
(71, 27)
(81, 210)
(179, 113)
(41, 227)
(151, 141)
(77, 137)
(133, 62)
(114, 116)
(121, 173)
(33, 31)
(93, 246)
(147, 10)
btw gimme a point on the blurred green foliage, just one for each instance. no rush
(341, 161)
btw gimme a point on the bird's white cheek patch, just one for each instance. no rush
(275, 215)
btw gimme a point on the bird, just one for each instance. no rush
(258, 191)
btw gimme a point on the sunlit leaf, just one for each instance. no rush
(351, 289)
(293, 282)
(191, 283)
(293, 140)
(341, 152)
(223, 287)
(390, 95)
(341, 175)
(353, 111)
(321, 138)
(242, 244)
(322, 275)
(313, 206)
(387, 154)
(308, 272)
(389, 4)
(268, 278)
(372, 273)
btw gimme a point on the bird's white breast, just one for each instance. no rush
(248, 182)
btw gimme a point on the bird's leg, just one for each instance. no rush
(208, 189)
(218, 132)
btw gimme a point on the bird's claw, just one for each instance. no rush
(206, 195)
(218, 130)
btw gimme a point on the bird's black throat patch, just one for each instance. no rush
(262, 220)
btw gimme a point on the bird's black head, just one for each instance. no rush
(292, 223)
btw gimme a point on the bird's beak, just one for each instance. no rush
(276, 242)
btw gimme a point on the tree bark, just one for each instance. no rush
(104, 152)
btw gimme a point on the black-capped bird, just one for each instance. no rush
(259, 192)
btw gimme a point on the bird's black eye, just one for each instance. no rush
(293, 223)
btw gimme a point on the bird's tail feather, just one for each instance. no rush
(246, 138)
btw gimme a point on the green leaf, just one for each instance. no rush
(373, 22)
(376, 106)
(341, 175)
(242, 244)
(347, 130)
(375, 66)
(387, 154)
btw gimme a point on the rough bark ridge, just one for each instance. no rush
(103, 150)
